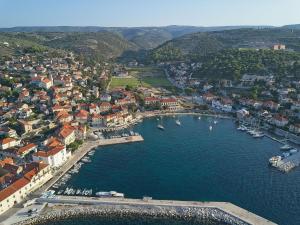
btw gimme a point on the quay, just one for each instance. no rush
(219, 210)
(81, 152)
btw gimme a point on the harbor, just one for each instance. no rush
(87, 148)
(74, 206)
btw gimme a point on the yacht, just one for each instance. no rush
(178, 122)
(161, 127)
(274, 160)
(285, 147)
(257, 134)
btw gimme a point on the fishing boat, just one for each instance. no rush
(178, 122)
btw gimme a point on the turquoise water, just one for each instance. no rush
(192, 163)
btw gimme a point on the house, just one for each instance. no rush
(295, 128)
(279, 121)
(224, 104)
(23, 151)
(96, 120)
(55, 157)
(271, 105)
(64, 117)
(82, 116)
(151, 100)
(208, 97)
(67, 134)
(34, 176)
(105, 98)
(105, 107)
(278, 47)
(242, 113)
(6, 143)
(169, 103)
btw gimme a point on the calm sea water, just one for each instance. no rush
(192, 163)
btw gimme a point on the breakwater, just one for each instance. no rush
(202, 211)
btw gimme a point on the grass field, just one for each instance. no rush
(146, 77)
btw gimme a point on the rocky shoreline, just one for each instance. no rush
(183, 213)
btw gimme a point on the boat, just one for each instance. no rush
(285, 147)
(110, 194)
(199, 118)
(210, 128)
(274, 160)
(257, 134)
(294, 150)
(215, 121)
(178, 122)
(161, 127)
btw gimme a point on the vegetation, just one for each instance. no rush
(232, 63)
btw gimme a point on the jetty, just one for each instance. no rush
(81, 152)
(221, 211)
(288, 163)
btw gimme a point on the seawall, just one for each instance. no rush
(202, 211)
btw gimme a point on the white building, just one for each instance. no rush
(55, 157)
(15, 193)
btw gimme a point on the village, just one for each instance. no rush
(51, 105)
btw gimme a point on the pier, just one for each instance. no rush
(81, 152)
(288, 163)
(223, 209)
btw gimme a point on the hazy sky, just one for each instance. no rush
(148, 12)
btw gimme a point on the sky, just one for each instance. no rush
(130, 13)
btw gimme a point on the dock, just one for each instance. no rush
(81, 152)
(223, 207)
(288, 163)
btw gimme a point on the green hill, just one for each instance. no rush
(199, 44)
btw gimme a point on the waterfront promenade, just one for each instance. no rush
(230, 209)
(87, 146)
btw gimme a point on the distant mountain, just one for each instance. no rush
(143, 37)
(292, 26)
(199, 44)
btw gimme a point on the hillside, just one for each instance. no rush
(100, 45)
(143, 37)
(199, 44)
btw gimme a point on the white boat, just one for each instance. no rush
(210, 128)
(114, 194)
(178, 122)
(274, 160)
(294, 150)
(161, 127)
(258, 135)
(285, 147)
(215, 121)
(199, 118)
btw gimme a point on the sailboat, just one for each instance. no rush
(160, 126)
